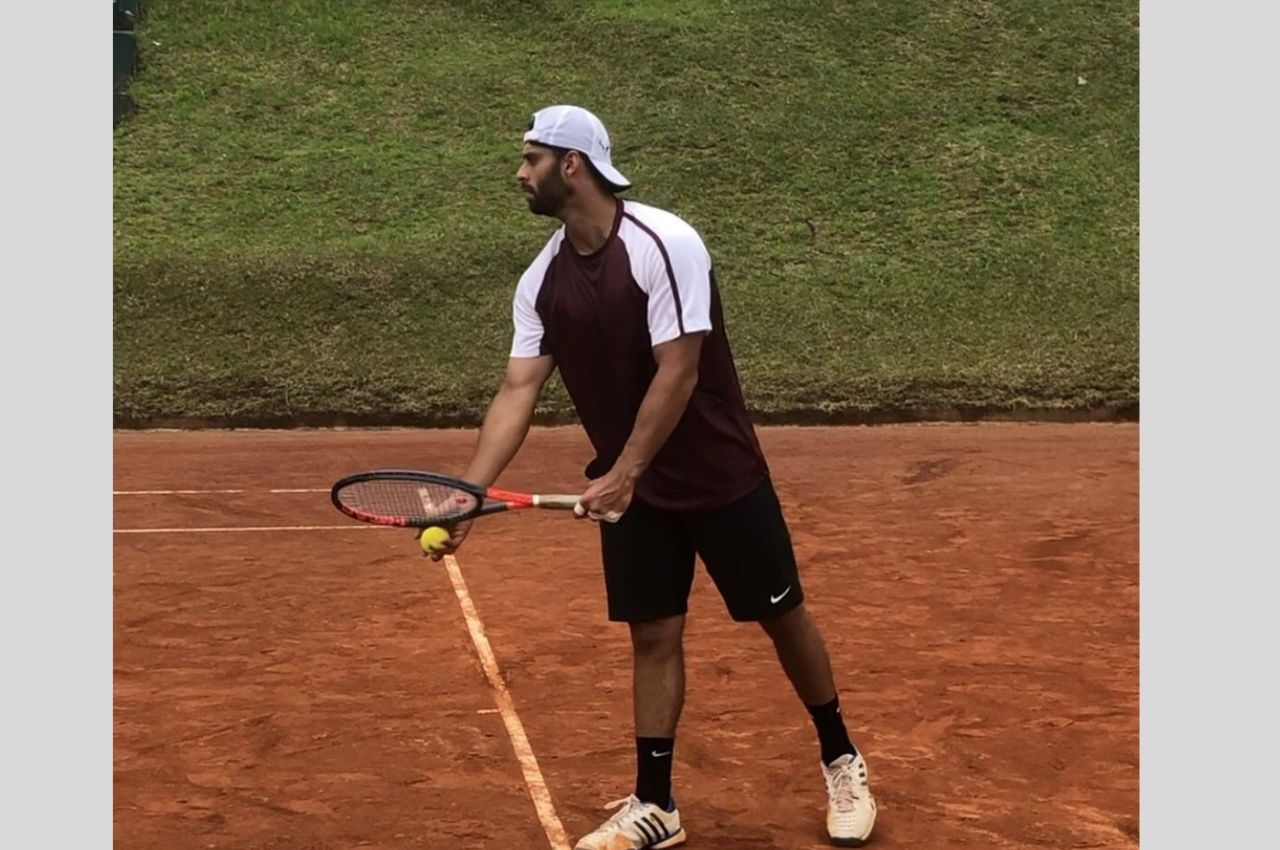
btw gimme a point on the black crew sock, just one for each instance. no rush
(653, 770)
(832, 735)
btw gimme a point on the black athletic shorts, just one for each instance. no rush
(745, 545)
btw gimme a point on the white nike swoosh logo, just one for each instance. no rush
(659, 755)
(776, 599)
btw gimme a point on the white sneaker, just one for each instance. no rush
(851, 810)
(635, 826)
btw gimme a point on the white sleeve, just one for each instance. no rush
(679, 287)
(526, 341)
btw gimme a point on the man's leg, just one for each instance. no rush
(648, 571)
(658, 651)
(804, 658)
(851, 810)
(747, 549)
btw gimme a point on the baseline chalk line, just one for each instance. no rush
(208, 529)
(215, 492)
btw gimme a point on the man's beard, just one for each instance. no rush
(550, 198)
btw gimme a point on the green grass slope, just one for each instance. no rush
(914, 207)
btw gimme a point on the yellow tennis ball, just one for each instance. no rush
(432, 539)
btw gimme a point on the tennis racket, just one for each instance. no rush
(409, 499)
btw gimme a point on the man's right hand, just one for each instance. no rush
(457, 534)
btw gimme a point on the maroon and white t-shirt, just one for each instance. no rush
(599, 316)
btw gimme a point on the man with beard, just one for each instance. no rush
(623, 300)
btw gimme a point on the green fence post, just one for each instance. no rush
(126, 54)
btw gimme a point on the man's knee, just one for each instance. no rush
(657, 638)
(786, 624)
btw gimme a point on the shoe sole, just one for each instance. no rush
(679, 838)
(674, 841)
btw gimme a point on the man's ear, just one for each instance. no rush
(572, 162)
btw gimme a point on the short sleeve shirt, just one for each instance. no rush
(600, 315)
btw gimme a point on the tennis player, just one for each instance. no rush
(623, 301)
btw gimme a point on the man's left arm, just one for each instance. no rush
(661, 409)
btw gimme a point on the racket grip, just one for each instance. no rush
(563, 503)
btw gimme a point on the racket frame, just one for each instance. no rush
(491, 500)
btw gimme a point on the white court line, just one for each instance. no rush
(214, 492)
(208, 529)
(507, 708)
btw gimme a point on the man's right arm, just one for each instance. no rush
(507, 422)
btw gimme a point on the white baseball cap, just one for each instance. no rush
(577, 129)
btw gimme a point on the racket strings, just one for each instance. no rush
(415, 501)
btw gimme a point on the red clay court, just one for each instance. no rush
(289, 679)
